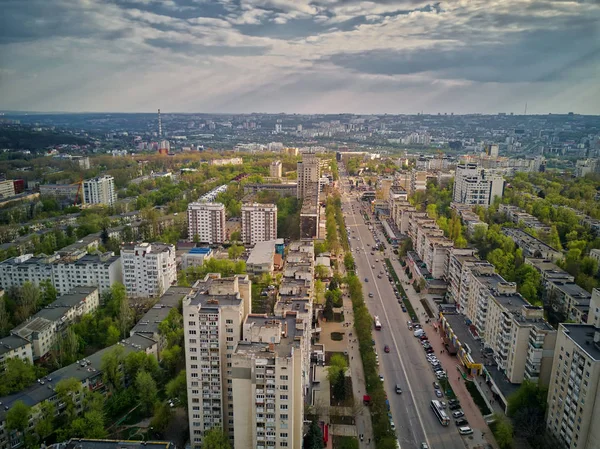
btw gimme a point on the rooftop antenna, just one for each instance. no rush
(159, 125)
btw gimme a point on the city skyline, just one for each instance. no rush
(320, 56)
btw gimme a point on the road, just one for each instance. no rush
(405, 364)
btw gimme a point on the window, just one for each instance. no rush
(228, 321)
(283, 407)
(283, 377)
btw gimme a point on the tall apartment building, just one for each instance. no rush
(66, 273)
(275, 169)
(418, 181)
(476, 186)
(213, 315)
(268, 403)
(44, 328)
(573, 415)
(100, 190)
(259, 223)
(308, 172)
(7, 189)
(149, 269)
(206, 222)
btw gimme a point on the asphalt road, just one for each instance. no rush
(405, 364)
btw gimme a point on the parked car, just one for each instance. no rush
(436, 386)
(466, 430)
(381, 377)
(454, 406)
(398, 389)
(429, 350)
(403, 308)
(458, 414)
(366, 279)
(461, 422)
(439, 394)
(370, 295)
(386, 348)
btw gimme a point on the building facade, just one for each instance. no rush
(206, 222)
(259, 223)
(275, 169)
(308, 172)
(476, 186)
(149, 269)
(100, 190)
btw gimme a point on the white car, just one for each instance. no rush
(466, 430)
(458, 414)
(381, 377)
(393, 426)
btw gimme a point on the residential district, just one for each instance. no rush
(419, 282)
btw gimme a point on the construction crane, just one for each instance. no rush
(79, 191)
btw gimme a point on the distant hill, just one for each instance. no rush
(25, 139)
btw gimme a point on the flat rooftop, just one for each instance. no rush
(574, 291)
(583, 336)
(149, 323)
(262, 253)
(80, 443)
(287, 342)
(10, 342)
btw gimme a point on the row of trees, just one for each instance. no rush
(20, 302)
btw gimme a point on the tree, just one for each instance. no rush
(337, 364)
(67, 390)
(135, 362)
(314, 437)
(503, 432)
(339, 386)
(527, 408)
(321, 271)
(177, 388)
(319, 291)
(17, 418)
(17, 375)
(27, 301)
(4, 317)
(146, 390)
(45, 423)
(328, 309)
(66, 348)
(348, 261)
(235, 236)
(235, 251)
(49, 292)
(112, 335)
(162, 417)
(215, 438)
(111, 367)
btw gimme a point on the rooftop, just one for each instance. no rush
(583, 336)
(573, 290)
(10, 342)
(290, 334)
(262, 253)
(149, 323)
(80, 443)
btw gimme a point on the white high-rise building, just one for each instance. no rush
(100, 190)
(275, 169)
(308, 172)
(207, 222)
(573, 415)
(476, 186)
(259, 223)
(213, 315)
(149, 269)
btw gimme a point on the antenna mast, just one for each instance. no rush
(159, 125)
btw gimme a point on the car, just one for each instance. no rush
(398, 389)
(436, 386)
(423, 336)
(376, 260)
(403, 308)
(380, 272)
(393, 426)
(461, 422)
(400, 302)
(373, 267)
(366, 279)
(429, 350)
(372, 253)
(453, 401)
(373, 341)
(386, 348)
(378, 276)
(424, 445)
(439, 394)
(370, 295)
(454, 406)
(441, 376)
(458, 414)
(381, 377)
(466, 430)
(417, 326)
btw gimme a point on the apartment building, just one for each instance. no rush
(458, 264)
(569, 299)
(88, 371)
(549, 271)
(573, 415)
(594, 314)
(44, 329)
(206, 222)
(531, 246)
(66, 273)
(261, 258)
(310, 213)
(476, 186)
(309, 172)
(7, 189)
(100, 190)
(259, 223)
(82, 269)
(275, 169)
(15, 347)
(230, 161)
(213, 316)
(519, 216)
(268, 402)
(149, 269)
(59, 190)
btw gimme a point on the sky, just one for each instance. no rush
(300, 56)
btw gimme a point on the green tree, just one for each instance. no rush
(177, 388)
(162, 417)
(135, 362)
(314, 437)
(17, 418)
(45, 422)
(321, 271)
(235, 236)
(527, 408)
(111, 367)
(215, 438)
(146, 390)
(337, 364)
(235, 251)
(503, 432)
(339, 386)
(112, 335)
(17, 376)
(27, 301)
(49, 292)
(68, 390)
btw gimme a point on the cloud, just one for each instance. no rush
(328, 55)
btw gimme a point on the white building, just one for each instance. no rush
(14, 272)
(275, 169)
(7, 189)
(308, 172)
(573, 415)
(206, 222)
(15, 347)
(213, 315)
(149, 269)
(261, 259)
(259, 223)
(44, 328)
(100, 190)
(100, 271)
(476, 186)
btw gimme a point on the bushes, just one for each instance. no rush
(478, 399)
(337, 336)
(398, 284)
